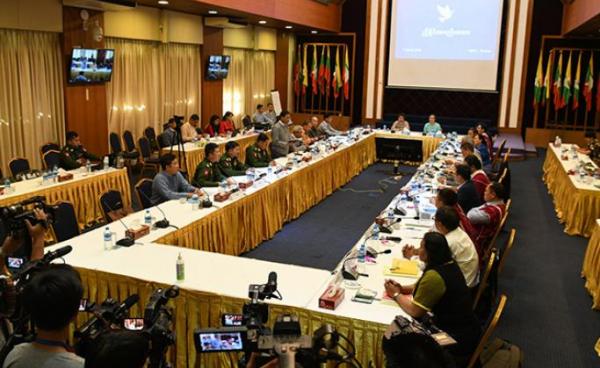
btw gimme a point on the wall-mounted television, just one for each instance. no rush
(91, 66)
(218, 67)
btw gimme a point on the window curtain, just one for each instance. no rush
(151, 82)
(31, 98)
(249, 82)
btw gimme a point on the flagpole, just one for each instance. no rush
(550, 83)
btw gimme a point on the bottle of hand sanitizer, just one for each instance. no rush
(180, 268)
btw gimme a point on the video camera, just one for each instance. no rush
(110, 314)
(13, 216)
(247, 333)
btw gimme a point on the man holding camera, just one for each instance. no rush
(52, 300)
(14, 241)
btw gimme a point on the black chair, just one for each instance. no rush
(18, 165)
(51, 158)
(150, 133)
(65, 225)
(162, 141)
(50, 146)
(117, 149)
(132, 153)
(143, 190)
(149, 161)
(110, 201)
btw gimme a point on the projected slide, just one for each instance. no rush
(448, 44)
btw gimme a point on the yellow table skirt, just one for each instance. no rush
(591, 267)
(578, 209)
(83, 194)
(196, 309)
(193, 158)
(430, 143)
(243, 225)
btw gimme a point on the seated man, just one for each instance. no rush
(52, 300)
(593, 147)
(271, 115)
(169, 183)
(190, 131)
(260, 117)
(487, 217)
(169, 135)
(281, 145)
(448, 197)
(481, 146)
(326, 128)
(478, 176)
(467, 194)
(432, 127)
(230, 164)
(257, 155)
(307, 139)
(314, 129)
(298, 141)
(74, 155)
(401, 124)
(466, 149)
(208, 173)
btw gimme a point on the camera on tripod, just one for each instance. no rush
(13, 216)
(247, 333)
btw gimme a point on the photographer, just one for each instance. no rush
(119, 349)
(52, 299)
(37, 232)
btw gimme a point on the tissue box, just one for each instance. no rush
(220, 197)
(138, 232)
(245, 185)
(64, 177)
(329, 300)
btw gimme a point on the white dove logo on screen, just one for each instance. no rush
(445, 13)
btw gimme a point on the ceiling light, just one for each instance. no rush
(213, 12)
(314, 32)
(163, 2)
(288, 27)
(262, 22)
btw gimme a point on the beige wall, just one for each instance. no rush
(258, 38)
(152, 24)
(35, 15)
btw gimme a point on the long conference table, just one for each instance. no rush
(217, 283)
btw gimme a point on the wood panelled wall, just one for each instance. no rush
(282, 58)
(85, 105)
(212, 91)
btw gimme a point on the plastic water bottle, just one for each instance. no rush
(7, 187)
(105, 163)
(384, 127)
(107, 239)
(362, 252)
(195, 201)
(376, 232)
(223, 185)
(557, 141)
(147, 218)
(180, 268)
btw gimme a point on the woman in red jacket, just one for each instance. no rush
(227, 124)
(214, 126)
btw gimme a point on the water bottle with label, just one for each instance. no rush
(108, 244)
(147, 218)
(7, 187)
(375, 232)
(105, 163)
(180, 268)
(557, 141)
(223, 185)
(195, 200)
(362, 252)
(384, 127)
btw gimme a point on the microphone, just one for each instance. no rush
(127, 303)
(126, 241)
(59, 253)
(272, 282)
(162, 224)
(352, 274)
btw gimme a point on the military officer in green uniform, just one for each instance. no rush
(257, 154)
(208, 173)
(593, 147)
(74, 155)
(230, 163)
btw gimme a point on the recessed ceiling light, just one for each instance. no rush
(163, 2)
(213, 12)
(262, 22)
(314, 32)
(288, 27)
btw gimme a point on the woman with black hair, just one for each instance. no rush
(214, 126)
(441, 290)
(227, 124)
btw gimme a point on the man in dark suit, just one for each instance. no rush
(467, 193)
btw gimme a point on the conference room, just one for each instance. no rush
(300, 183)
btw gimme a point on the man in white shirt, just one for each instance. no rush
(189, 130)
(326, 128)
(463, 250)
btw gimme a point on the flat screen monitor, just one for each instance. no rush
(218, 67)
(91, 66)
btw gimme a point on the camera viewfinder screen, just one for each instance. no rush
(220, 341)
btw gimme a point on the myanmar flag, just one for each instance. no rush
(314, 71)
(346, 76)
(576, 84)
(589, 84)
(327, 71)
(322, 70)
(297, 75)
(566, 92)
(337, 76)
(304, 72)
(538, 86)
(547, 80)
(558, 84)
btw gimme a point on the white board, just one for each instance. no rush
(276, 101)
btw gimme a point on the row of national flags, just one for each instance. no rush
(325, 75)
(560, 85)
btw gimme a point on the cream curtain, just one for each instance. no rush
(31, 95)
(151, 82)
(249, 82)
